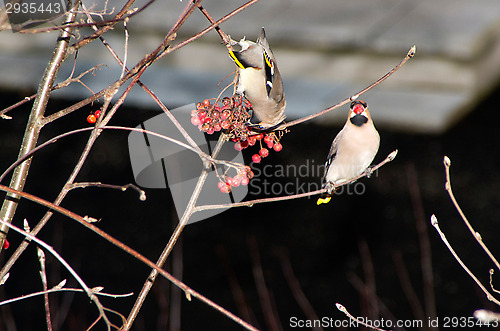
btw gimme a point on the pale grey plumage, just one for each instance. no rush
(260, 80)
(353, 149)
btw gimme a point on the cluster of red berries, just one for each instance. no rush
(231, 115)
(270, 139)
(242, 178)
(92, 118)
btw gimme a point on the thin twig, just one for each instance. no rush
(435, 224)
(250, 203)
(60, 85)
(344, 310)
(96, 291)
(491, 281)
(476, 235)
(142, 194)
(43, 275)
(409, 55)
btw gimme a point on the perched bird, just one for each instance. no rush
(260, 80)
(353, 149)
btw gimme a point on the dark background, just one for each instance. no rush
(322, 242)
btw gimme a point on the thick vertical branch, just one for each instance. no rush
(35, 124)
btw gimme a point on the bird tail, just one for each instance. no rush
(324, 199)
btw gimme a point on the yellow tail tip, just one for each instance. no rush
(321, 200)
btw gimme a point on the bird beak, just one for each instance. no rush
(358, 109)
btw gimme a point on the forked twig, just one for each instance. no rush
(435, 224)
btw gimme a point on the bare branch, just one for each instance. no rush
(43, 275)
(96, 291)
(34, 125)
(84, 286)
(142, 194)
(435, 224)
(250, 203)
(476, 235)
(409, 55)
(188, 291)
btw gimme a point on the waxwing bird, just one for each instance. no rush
(353, 149)
(260, 80)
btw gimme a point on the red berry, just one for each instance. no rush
(206, 102)
(256, 158)
(91, 119)
(97, 113)
(215, 114)
(225, 125)
(244, 143)
(199, 105)
(252, 140)
(238, 146)
(207, 120)
(223, 187)
(264, 152)
(278, 147)
(236, 181)
(202, 114)
(195, 120)
(226, 101)
(260, 136)
(244, 181)
(270, 145)
(211, 130)
(217, 127)
(268, 139)
(6, 244)
(225, 115)
(250, 174)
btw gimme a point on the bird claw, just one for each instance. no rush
(369, 172)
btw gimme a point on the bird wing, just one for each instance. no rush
(332, 153)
